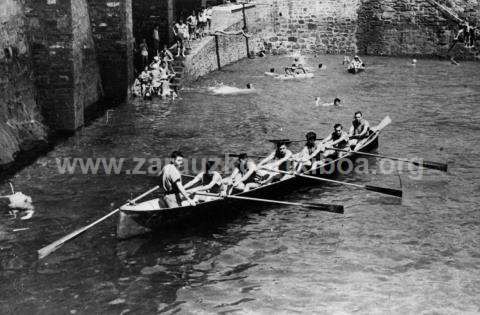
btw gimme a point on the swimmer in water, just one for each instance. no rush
(414, 62)
(336, 102)
(249, 86)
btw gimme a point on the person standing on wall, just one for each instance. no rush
(156, 40)
(179, 39)
(144, 52)
(209, 13)
(192, 25)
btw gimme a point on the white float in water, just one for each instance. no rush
(19, 201)
(230, 90)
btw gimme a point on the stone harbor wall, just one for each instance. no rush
(21, 126)
(112, 29)
(59, 59)
(327, 26)
(418, 28)
(217, 51)
(378, 27)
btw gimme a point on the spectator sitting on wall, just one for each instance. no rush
(144, 52)
(192, 24)
(166, 55)
(145, 79)
(156, 40)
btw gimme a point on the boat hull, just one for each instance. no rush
(355, 70)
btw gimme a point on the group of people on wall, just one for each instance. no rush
(155, 67)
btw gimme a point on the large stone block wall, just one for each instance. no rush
(21, 125)
(226, 49)
(112, 29)
(86, 75)
(146, 15)
(51, 37)
(378, 27)
(327, 26)
(56, 59)
(402, 27)
(230, 49)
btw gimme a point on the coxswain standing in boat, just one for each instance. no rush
(245, 176)
(172, 183)
(310, 154)
(210, 182)
(278, 160)
(338, 139)
(359, 130)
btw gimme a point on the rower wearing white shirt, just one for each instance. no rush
(172, 183)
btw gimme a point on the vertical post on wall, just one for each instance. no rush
(170, 14)
(217, 50)
(245, 29)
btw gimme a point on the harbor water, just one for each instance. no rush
(420, 255)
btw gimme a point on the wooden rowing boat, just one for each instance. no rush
(148, 216)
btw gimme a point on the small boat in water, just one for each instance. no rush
(148, 216)
(355, 70)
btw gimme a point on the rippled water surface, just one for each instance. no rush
(382, 256)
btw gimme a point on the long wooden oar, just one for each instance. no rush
(314, 206)
(287, 140)
(427, 164)
(47, 250)
(238, 155)
(381, 190)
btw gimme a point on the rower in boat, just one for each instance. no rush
(356, 63)
(359, 130)
(276, 161)
(210, 182)
(172, 183)
(244, 177)
(310, 154)
(337, 139)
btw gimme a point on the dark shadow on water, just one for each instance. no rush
(41, 148)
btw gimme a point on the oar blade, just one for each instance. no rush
(385, 191)
(433, 165)
(384, 123)
(325, 207)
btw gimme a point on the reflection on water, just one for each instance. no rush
(422, 255)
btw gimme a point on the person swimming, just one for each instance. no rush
(336, 102)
